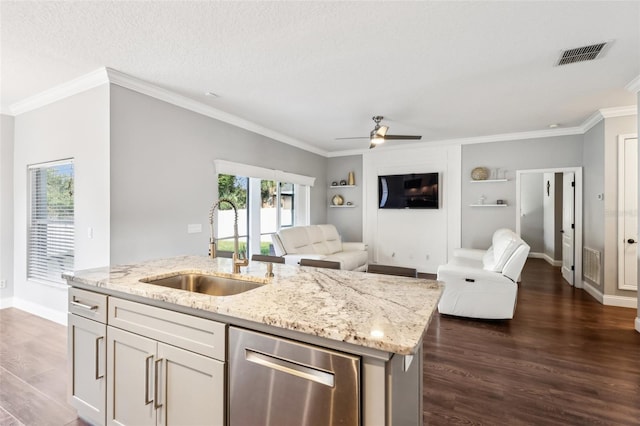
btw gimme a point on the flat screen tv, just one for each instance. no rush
(410, 191)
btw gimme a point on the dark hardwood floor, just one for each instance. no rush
(563, 360)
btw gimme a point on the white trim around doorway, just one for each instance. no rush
(577, 243)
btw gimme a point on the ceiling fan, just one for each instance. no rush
(379, 134)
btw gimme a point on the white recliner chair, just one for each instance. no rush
(483, 283)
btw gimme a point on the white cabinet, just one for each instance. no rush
(131, 379)
(158, 384)
(155, 382)
(87, 354)
(87, 382)
(192, 388)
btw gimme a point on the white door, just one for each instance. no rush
(628, 218)
(568, 225)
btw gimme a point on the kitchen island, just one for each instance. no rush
(378, 318)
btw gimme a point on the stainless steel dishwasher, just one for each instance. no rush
(279, 382)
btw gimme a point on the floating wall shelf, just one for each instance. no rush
(341, 207)
(489, 180)
(342, 186)
(488, 205)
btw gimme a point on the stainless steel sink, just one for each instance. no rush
(206, 284)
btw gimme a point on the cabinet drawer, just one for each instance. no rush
(198, 335)
(88, 304)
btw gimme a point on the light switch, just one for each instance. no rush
(90, 233)
(194, 228)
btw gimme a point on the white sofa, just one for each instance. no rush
(319, 242)
(483, 283)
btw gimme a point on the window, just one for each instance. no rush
(236, 190)
(50, 224)
(264, 207)
(276, 212)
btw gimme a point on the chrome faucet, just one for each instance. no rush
(237, 262)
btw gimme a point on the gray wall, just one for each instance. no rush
(163, 177)
(593, 184)
(478, 224)
(532, 211)
(348, 221)
(74, 127)
(6, 205)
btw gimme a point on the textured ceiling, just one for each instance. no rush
(316, 71)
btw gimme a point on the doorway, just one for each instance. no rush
(549, 208)
(628, 208)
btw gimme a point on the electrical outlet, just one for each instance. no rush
(3, 283)
(426, 257)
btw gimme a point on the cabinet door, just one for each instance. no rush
(190, 389)
(130, 360)
(87, 366)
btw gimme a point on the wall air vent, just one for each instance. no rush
(580, 54)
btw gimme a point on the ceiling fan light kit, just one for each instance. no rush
(379, 134)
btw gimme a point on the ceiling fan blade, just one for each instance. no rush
(402, 137)
(382, 130)
(354, 137)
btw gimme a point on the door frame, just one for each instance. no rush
(577, 237)
(621, 247)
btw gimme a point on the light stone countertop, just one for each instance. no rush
(375, 311)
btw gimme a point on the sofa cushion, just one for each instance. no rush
(296, 240)
(505, 243)
(316, 240)
(331, 238)
(350, 260)
(488, 261)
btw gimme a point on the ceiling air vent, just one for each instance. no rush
(580, 54)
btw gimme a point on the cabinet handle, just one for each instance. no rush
(98, 375)
(147, 401)
(83, 306)
(155, 389)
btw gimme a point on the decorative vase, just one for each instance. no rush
(337, 200)
(351, 180)
(480, 173)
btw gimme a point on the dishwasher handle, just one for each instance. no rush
(290, 367)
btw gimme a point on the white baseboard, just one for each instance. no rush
(621, 301)
(6, 302)
(609, 300)
(41, 311)
(638, 324)
(593, 292)
(546, 257)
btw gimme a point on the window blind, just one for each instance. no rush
(51, 221)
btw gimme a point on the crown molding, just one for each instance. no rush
(61, 91)
(619, 111)
(108, 75)
(536, 134)
(607, 113)
(634, 85)
(141, 86)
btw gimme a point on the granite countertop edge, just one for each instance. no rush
(375, 311)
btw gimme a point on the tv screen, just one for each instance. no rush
(410, 191)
